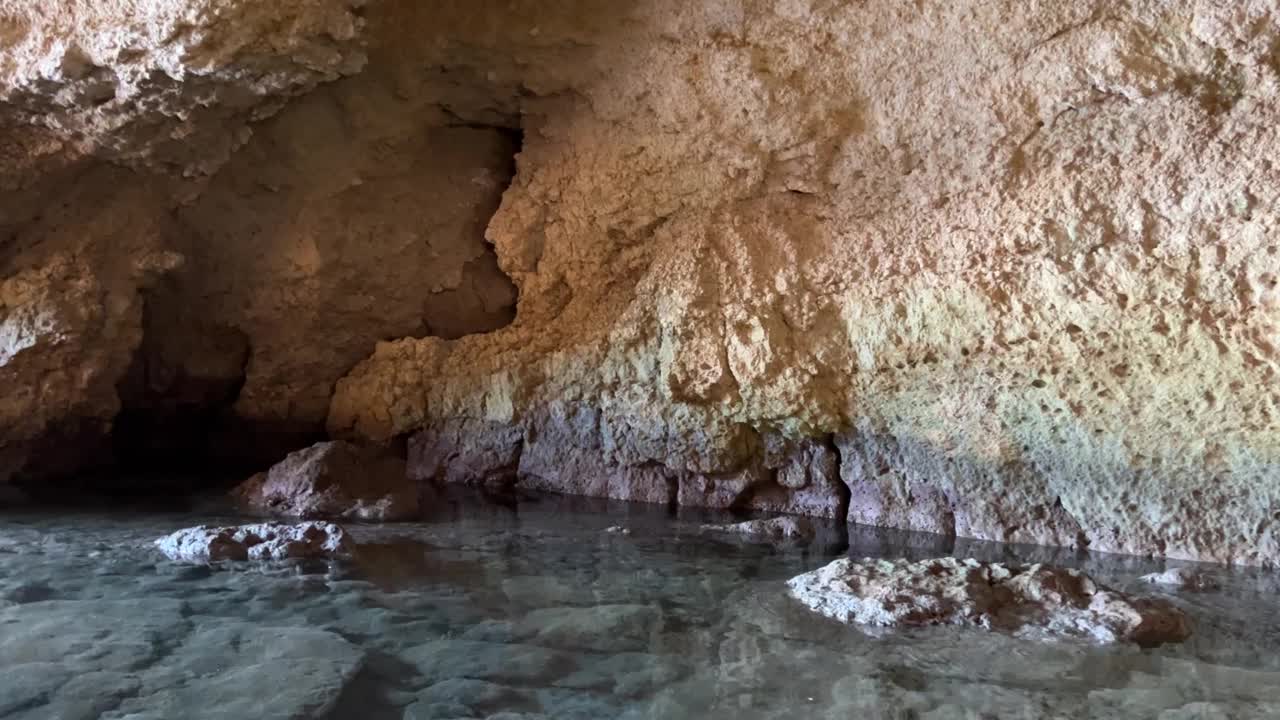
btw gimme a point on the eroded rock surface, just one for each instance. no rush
(264, 541)
(1033, 601)
(1035, 313)
(145, 659)
(333, 480)
(779, 528)
(172, 82)
(766, 257)
(1183, 579)
(184, 294)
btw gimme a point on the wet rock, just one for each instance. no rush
(460, 697)
(779, 528)
(601, 628)
(264, 541)
(1183, 579)
(1036, 601)
(495, 662)
(539, 591)
(148, 659)
(240, 670)
(26, 684)
(87, 696)
(84, 636)
(333, 480)
(628, 674)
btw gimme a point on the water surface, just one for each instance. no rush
(535, 611)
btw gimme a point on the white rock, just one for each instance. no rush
(780, 528)
(1037, 601)
(1183, 579)
(264, 541)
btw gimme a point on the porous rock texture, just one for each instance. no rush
(264, 541)
(166, 81)
(1016, 264)
(203, 302)
(779, 528)
(1038, 601)
(1001, 270)
(333, 480)
(1182, 578)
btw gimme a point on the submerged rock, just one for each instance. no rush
(238, 670)
(1035, 601)
(333, 480)
(265, 541)
(150, 659)
(1183, 579)
(779, 528)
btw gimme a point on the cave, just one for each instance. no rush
(511, 359)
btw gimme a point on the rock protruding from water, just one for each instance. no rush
(786, 527)
(333, 480)
(1182, 579)
(265, 541)
(1038, 601)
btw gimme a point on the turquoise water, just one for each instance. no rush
(535, 611)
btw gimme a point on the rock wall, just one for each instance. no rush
(1003, 270)
(174, 251)
(1016, 263)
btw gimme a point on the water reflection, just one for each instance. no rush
(532, 610)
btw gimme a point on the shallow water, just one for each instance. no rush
(537, 611)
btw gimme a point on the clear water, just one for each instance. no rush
(537, 612)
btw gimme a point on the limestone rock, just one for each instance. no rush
(235, 670)
(265, 541)
(599, 628)
(71, 315)
(341, 219)
(517, 664)
(1030, 314)
(168, 82)
(333, 480)
(149, 658)
(1183, 579)
(161, 296)
(1042, 311)
(89, 636)
(1034, 601)
(467, 453)
(559, 448)
(779, 528)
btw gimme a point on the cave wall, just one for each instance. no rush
(1002, 270)
(1015, 262)
(174, 249)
